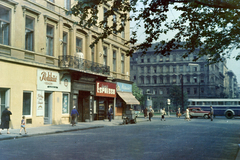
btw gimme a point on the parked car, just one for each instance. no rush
(198, 112)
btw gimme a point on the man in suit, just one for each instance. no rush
(74, 115)
(211, 112)
(110, 113)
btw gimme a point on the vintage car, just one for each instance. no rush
(198, 112)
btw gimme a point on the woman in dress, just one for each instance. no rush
(5, 118)
(187, 115)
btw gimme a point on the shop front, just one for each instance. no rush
(53, 93)
(125, 99)
(105, 96)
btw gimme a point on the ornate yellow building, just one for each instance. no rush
(47, 66)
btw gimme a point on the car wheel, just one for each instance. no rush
(206, 116)
(229, 115)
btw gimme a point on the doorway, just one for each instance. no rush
(48, 108)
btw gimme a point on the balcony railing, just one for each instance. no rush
(73, 62)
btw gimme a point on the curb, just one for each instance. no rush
(48, 133)
(238, 153)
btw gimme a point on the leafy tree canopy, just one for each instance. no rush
(175, 94)
(138, 95)
(213, 26)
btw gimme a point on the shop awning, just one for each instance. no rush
(129, 98)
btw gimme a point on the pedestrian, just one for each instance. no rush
(163, 112)
(145, 112)
(110, 113)
(5, 118)
(23, 125)
(74, 115)
(179, 112)
(187, 115)
(151, 111)
(211, 112)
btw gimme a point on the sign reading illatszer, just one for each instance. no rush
(124, 87)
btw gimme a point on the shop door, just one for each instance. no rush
(48, 108)
(84, 106)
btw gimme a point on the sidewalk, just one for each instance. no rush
(53, 129)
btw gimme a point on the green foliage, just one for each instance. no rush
(211, 26)
(138, 95)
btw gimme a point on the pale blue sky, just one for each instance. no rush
(232, 64)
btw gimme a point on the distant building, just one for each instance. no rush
(156, 74)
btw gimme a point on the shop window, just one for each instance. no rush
(4, 25)
(27, 103)
(65, 104)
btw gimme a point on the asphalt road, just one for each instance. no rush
(173, 139)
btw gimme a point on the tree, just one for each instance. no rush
(138, 94)
(176, 97)
(158, 102)
(213, 26)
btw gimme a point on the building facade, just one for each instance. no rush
(47, 66)
(156, 74)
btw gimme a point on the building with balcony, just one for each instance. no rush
(233, 91)
(156, 74)
(47, 66)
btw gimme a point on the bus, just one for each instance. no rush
(222, 107)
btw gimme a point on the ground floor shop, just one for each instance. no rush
(41, 95)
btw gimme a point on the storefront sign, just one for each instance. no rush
(40, 103)
(124, 87)
(105, 89)
(50, 81)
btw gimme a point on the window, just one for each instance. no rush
(51, 1)
(114, 61)
(202, 68)
(174, 58)
(4, 25)
(161, 79)
(105, 55)
(148, 60)
(122, 62)
(93, 53)
(65, 104)
(167, 58)
(68, 4)
(202, 90)
(27, 103)
(174, 80)
(105, 17)
(160, 69)
(49, 45)
(64, 43)
(174, 69)
(29, 33)
(195, 90)
(154, 69)
(148, 80)
(167, 90)
(161, 59)
(168, 79)
(180, 68)
(160, 91)
(188, 90)
(188, 79)
(188, 69)
(142, 60)
(154, 80)
(167, 69)
(154, 91)
(148, 70)
(195, 69)
(134, 77)
(79, 42)
(142, 69)
(148, 91)
(142, 80)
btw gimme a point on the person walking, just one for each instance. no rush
(23, 125)
(151, 111)
(110, 113)
(187, 115)
(5, 118)
(145, 112)
(179, 112)
(211, 112)
(74, 115)
(163, 112)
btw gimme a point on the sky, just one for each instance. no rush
(232, 64)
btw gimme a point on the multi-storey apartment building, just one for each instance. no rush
(232, 85)
(47, 66)
(156, 74)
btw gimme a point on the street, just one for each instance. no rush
(173, 139)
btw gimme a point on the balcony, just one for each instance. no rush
(83, 65)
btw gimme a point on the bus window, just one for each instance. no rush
(235, 103)
(206, 103)
(228, 103)
(189, 103)
(199, 103)
(239, 103)
(214, 103)
(193, 103)
(220, 103)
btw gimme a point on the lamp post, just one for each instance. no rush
(181, 79)
(168, 102)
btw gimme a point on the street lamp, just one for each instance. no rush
(181, 79)
(168, 102)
